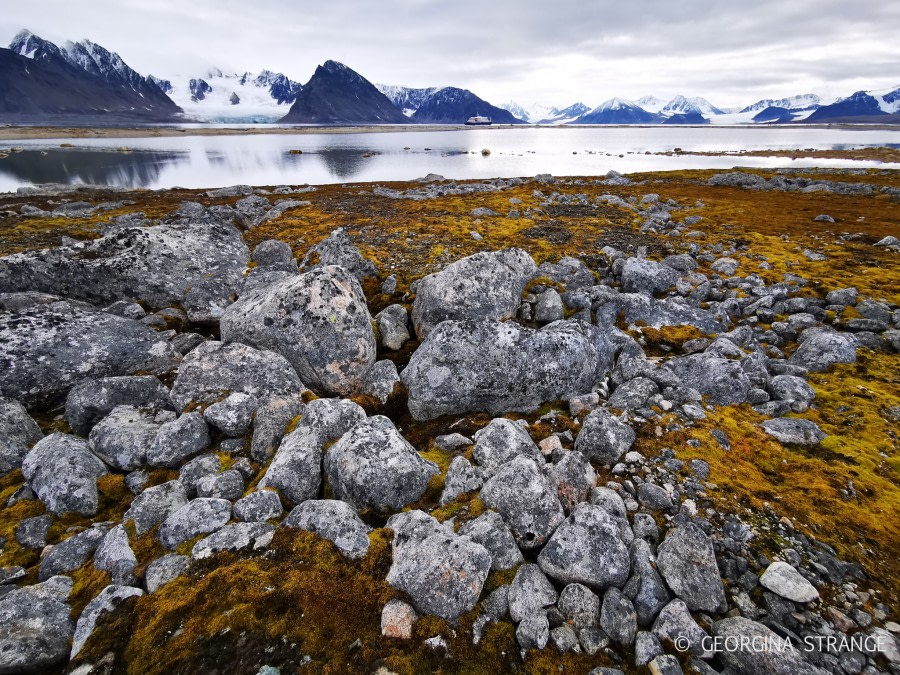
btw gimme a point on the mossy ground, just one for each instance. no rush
(303, 598)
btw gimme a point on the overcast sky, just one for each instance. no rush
(553, 51)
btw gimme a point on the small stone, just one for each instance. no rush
(397, 620)
(787, 582)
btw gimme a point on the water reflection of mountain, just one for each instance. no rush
(127, 169)
(342, 162)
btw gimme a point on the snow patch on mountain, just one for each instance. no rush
(234, 97)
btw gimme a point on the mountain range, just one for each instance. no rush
(40, 81)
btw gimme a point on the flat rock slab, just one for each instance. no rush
(794, 431)
(47, 349)
(784, 580)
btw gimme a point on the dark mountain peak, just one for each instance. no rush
(858, 104)
(336, 94)
(452, 105)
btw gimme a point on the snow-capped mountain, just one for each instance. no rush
(861, 104)
(651, 103)
(517, 110)
(799, 102)
(564, 115)
(684, 106)
(224, 97)
(407, 99)
(617, 111)
(40, 78)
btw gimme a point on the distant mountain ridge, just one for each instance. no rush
(452, 105)
(40, 79)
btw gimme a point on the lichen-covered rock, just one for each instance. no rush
(646, 588)
(393, 322)
(794, 431)
(580, 605)
(482, 287)
(373, 466)
(18, 432)
(721, 380)
(502, 440)
(158, 265)
(790, 388)
(786, 581)
(70, 554)
(234, 537)
(618, 618)
(108, 599)
(155, 504)
(744, 658)
(586, 548)
(397, 620)
(114, 555)
(467, 366)
(91, 400)
(820, 351)
(123, 438)
(490, 531)
(178, 440)
(63, 472)
(258, 506)
(269, 423)
(318, 321)
(526, 500)
(162, 570)
(337, 249)
(646, 276)
(443, 574)
(214, 370)
(47, 349)
(36, 626)
(530, 592)
(232, 415)
(604, 438)
(687, 562)
(200, 516)
(570, 272)
(461, 477)
(533, 631)
(573, 477)
(380, 381)
(610, 501)
(335, 521)
(296, 469)
(676, 626)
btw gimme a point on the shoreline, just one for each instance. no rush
(11, 132)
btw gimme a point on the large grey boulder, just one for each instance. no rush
(373, 466)
(490, 531)
(36, 626)
(645, 587)
(820, 351)
(18, 432)
(784, 580)
(318, 321)
(675, 626)
(155, 504)
(468, 366)
(745, 658)
(335, 521)
(687, 562)
(296, 469)
(500, 441)
(573, 477)
(604, 438)
(123, 438)
(722, 381)
(63, 472)
(114, 555)
(214, 369)
(618, 618)
(337, 249)
(482, 287)
(200, 516)
(107, 601)
(570, 272)
(443, 574)
(233, 415)
(161, 266)
(234, 537)
(91, 400)
(580, 605)
(794, 431)
(162, 570)
(646, 276)
(178, 440)
(47, 349)
(587, 549)
(526, 500)
(258, 506)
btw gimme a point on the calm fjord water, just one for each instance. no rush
(215, 161)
